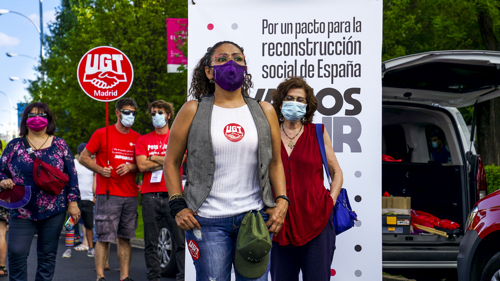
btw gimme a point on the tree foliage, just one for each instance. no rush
(416, 26)
(138, 28)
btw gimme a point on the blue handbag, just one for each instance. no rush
(343, 215)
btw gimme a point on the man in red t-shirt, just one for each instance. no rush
(116, 190)
(150, 152)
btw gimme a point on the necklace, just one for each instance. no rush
(48, 136)
(291, 144)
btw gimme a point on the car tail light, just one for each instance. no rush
(481, 180)
(470, 218)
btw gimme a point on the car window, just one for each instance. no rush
(439, 151)
(394, 143)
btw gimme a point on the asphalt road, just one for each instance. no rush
(81, 268)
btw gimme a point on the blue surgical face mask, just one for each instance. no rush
(127, 120)
(434, 144)
(293, 111)
(159, 120)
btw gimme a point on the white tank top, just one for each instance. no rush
(236, 180)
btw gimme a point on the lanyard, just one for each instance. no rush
(162, 143)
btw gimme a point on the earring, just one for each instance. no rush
(212, 81)
(303, 119)
(281, 118)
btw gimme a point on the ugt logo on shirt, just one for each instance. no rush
(234, 132)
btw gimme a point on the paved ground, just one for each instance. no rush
(81, 268)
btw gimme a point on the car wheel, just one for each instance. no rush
(491, 271)
(166, 252)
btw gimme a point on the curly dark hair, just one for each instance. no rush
(201, 86)
(295, 83)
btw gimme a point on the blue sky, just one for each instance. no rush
(18, 35)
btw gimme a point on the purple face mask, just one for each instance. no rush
(37, 123)
(230, 76)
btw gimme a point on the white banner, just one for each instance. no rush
(336, 45)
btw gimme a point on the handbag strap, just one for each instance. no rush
(321, 142)
(28, 148)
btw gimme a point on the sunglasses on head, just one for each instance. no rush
(159, 112)
(128, 112)
(44, 115)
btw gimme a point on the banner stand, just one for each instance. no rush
(337, 47)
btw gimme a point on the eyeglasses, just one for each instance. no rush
(128, 111)
(159, 112)
(298, 99)
(223, 58)
(44, 115)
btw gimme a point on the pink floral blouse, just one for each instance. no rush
(17, 165)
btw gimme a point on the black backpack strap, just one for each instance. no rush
(28, 148)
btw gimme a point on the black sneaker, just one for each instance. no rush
(101, 279)
(126, 279)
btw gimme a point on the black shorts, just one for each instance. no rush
(87, 211)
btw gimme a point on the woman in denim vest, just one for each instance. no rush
(233, 157)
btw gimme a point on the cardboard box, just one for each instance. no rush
(396, 202)
(398, 224)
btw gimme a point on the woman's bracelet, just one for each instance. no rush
(283, 197)
(175, 196)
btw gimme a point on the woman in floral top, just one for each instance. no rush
(44, 212)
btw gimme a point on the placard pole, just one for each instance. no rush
(107, 147)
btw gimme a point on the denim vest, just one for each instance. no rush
(201, 159)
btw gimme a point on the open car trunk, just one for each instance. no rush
(440, 189)
(440, 182)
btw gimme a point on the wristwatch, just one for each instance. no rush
(284, 197)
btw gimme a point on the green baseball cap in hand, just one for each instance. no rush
(253, 246)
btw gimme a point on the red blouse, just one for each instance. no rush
(310, 202)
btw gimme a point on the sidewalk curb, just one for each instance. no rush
(137, 242)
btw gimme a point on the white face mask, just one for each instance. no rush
(293, 110)
(159, 120)
(434, 144)
(127, 120)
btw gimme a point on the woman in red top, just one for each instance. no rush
(307, 239)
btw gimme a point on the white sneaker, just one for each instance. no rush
(67, 253)
(90, 253)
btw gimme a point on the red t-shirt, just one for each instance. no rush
(305, 188)
(149, 145)
(122, 152)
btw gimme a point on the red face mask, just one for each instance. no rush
(37, 123)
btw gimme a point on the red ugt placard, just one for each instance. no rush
(105, 73)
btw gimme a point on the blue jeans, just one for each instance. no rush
(216, 241)
(21, 232)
